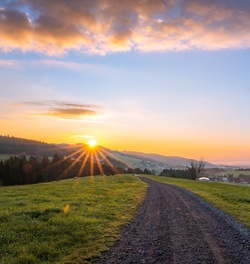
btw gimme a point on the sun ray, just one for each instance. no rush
(109, 163)
(83, 151)
(84, 163)
(99, 163)
(111, 155)
(62, 160)
(91, 163)
(76, 152)
(92, 158)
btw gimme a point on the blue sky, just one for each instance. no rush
(166, 77)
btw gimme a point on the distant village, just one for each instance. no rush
(221, 175)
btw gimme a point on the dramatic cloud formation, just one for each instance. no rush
(63, 109)
(105, 26)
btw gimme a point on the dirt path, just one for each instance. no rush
(175, 226)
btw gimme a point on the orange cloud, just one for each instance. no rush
(70, 112)
(106, 26)
(61, 109)
(15, 30)
(120, 41)
(54, 36)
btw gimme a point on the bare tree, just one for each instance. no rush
(195, 168)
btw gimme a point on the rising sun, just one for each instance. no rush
(92, 143)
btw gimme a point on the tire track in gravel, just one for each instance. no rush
(175, 226)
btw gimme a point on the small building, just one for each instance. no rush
(224, 179)
(203, 179)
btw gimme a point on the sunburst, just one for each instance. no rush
(92, 158)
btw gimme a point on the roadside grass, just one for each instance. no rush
(70, 221)
(232, 199)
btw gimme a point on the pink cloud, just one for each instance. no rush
(106, 26)
(9, 64)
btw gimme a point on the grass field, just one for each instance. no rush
(73, 221)
(232, 199)
(69, 221)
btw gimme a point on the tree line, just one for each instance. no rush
(193, 170)
(22, 170)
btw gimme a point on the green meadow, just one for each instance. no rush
(230, 198)
(70, 221)
(73, 221)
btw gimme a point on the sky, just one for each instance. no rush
(156, 76)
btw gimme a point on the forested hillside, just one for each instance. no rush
(35, 162)
(17, 146)
(22, 170)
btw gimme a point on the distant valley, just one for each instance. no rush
(153, 162)
(125, 161)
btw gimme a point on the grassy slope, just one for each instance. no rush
(67, 221)
(232, 199)
(132, 162)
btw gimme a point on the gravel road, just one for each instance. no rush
(175, 226)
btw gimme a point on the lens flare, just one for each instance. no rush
(66, 208)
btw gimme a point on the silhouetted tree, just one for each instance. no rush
(138, 171)
(183, 174)
(19, 170)
(146, 171)
(195, 168)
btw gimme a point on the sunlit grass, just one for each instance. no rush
(232, 199)
(68, 221)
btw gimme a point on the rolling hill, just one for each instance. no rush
(153, 162)
(171, 161)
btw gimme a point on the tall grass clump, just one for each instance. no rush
(70, 221)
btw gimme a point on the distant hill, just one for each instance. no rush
(169, 161)
(153, 162)
(17, 146)
(20, 146)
